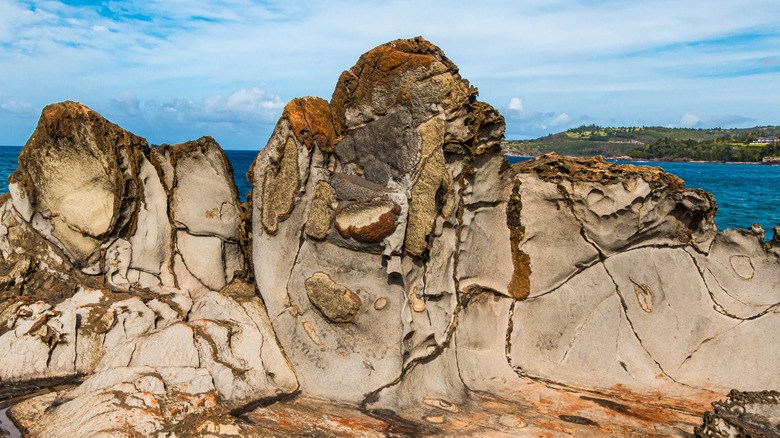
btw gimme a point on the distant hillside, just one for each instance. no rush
(747, 144)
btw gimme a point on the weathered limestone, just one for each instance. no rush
(124, 261)
(654, 292)
(402, 278)
(368, 210)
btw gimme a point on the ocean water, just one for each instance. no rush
(746, 194)
(240, 160)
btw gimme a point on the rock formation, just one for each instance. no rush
(642, 288)
(743, 414)
(124, 264)
(390, 273)
(372, 205)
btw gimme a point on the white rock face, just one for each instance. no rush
(656, 295)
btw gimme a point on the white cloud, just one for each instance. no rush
(12, 17)
(715, 121)
(560, 120)
(234, 119)
(246, 103)
(126, 103)
(689, 120)
(16, 107)
(639, 62)
(526, 123)
(516, 104)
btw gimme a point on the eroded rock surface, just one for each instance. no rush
(652, 291)
(571, 271)
(125, 264)
(373, 220)
(392, 274)
(743, 414)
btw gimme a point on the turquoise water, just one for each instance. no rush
(745, 193)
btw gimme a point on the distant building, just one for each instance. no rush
(765, 140)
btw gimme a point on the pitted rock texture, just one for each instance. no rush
(336, 302)
(631, 285)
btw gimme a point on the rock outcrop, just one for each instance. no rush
(125, 263)
(375, 207)
(390, 274)
(743, 414)
(641, 288)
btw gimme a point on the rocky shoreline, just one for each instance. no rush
(389, 275)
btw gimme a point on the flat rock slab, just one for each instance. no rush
(536, 409)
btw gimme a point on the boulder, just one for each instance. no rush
(78, 177)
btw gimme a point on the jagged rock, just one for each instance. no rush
(365, 212)
(122, 261)
(405, 272)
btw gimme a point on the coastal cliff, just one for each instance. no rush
(390, 273)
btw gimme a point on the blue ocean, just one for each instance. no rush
(746, 194)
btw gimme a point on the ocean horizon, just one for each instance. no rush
(745, 193)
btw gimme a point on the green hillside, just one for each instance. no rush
(655, 143)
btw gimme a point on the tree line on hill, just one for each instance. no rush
(659, 143)
(726, 148)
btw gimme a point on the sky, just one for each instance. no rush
(176, 70)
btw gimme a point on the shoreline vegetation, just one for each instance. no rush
(758, 145)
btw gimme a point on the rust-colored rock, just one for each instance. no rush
(520, 284)
(312, 122)
(368, 222)
(553, 167)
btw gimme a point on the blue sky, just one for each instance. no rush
(176, 70)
